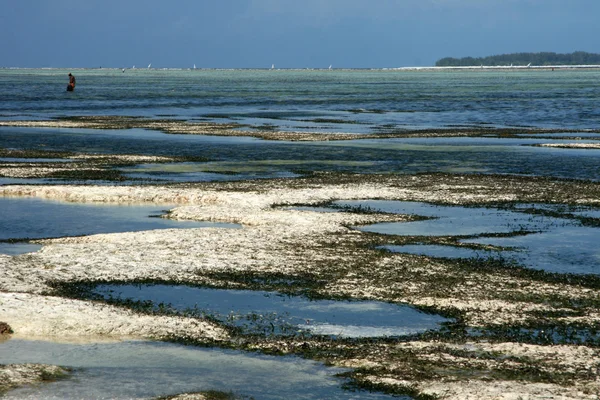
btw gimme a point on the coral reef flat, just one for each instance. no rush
(477, 356)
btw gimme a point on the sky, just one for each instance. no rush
(286, 33)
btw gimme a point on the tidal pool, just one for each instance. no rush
(33, 218)
(144, 370)
(273, 313)
(565, 249)
(450, 220)
(551, 244)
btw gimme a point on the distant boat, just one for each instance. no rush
(329, 66)
(133, 67)
(149, 65)
(272, 66)
(194, 66)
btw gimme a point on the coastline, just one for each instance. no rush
(266, 246)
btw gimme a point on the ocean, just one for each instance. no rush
(289, 99)
(404, 122)
(364, 102)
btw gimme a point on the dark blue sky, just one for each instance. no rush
(287, 33)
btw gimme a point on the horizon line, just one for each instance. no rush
(433, 67)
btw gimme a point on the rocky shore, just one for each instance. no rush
(483, 354)
(324, 248)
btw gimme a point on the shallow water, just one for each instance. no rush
(272, 313)
(140, 369)
(25, 217)
(13, 249)
(358, 101)
(566, 249)
(557, 244)
(276, 158)
(449, 220)
(303, 99)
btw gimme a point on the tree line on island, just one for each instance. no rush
(523, 59)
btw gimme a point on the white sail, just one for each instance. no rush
(149, 65)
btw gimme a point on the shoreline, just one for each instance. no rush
(323, 246)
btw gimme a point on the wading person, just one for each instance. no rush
(71, 85)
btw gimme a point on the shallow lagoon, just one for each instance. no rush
(141, 369)
(273, 313)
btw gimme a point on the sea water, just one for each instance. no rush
(290, 99)
(351, 101)
(364, 102)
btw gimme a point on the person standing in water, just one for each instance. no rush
(71, 85)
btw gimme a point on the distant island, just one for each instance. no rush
(523, 59)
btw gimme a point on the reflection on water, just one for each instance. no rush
(450, 221)
(40, 218)
(139, 369)
(558, 244)
(273, 313)
(406, 155)
(572, 249)
(310, 97)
